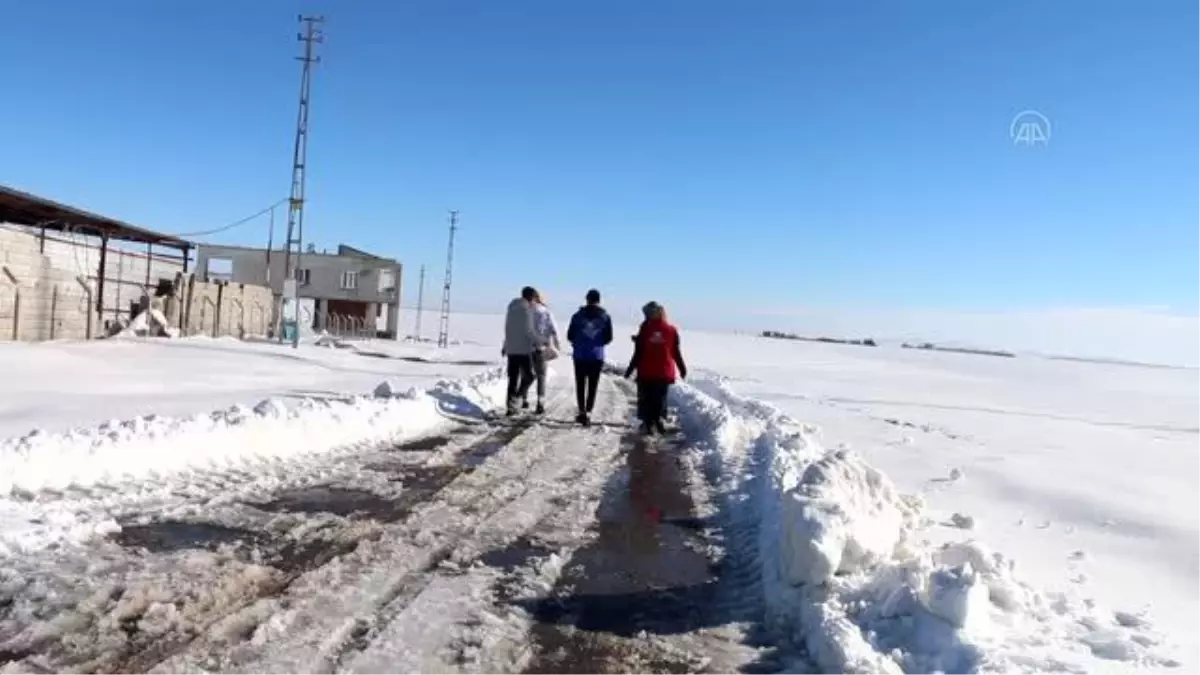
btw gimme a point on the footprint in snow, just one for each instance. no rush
(1129, 619)
(1078, 555)
(962, 521)
(956, 475)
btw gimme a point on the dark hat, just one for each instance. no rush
(528, 293)
(593, 297)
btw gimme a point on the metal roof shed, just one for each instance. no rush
(23, 208)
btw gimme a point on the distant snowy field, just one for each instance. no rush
(1083, 475)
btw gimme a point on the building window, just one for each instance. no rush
(387, 281)
(349, 280)
(303, 276)
(219, 269)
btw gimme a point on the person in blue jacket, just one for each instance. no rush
(589, 333)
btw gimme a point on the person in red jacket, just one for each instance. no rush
(657, 359)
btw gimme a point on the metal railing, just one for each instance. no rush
(349, 326)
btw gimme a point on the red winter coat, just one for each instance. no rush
(656, 353)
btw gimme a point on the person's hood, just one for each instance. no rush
(592, 311)
(656, 322)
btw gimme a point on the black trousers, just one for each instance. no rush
(520, 376)
(587, 380)
(652, 400)
(538, 360)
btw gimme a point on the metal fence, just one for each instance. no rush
(349, 326)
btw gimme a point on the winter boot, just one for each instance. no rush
(583, 419)
(540, 409)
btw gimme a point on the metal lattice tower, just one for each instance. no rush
(311, 37)
(444, 323)
(420, 302)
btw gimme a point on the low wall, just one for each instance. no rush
(40, 300)
(217, 308)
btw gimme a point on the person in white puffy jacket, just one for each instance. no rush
(548, 348)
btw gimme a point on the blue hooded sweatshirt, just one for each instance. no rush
(590, 330)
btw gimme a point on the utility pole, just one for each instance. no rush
(270, 243)
(444, 324)
(420, 302)
(311, 37)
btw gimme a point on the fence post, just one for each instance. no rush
(187, 304)
(87, 308)
(53, 310)
(217, 318)
(16, 328)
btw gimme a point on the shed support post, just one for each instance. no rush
(100, 277)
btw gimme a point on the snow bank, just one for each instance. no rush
(844, 572)
(273, 430)
(843, 516)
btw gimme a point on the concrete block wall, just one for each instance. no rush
(39, 298)
(221, 308)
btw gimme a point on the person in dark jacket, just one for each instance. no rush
(589, 333)
(658, 359)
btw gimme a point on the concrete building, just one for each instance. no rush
(347, 291)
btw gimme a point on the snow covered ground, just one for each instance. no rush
(1084, 474)
(874, 509)
(58, 386)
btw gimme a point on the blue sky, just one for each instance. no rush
(740, 159)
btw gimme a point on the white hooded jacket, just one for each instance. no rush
(545, 327)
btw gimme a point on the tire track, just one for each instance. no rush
(252, 564)
(295, 559)
(510, 517)
(396, 569)
(649, 594)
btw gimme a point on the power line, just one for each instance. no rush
(444, 323)
(234, 224)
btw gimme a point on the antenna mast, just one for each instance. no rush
(444, 324)
(311, 37)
